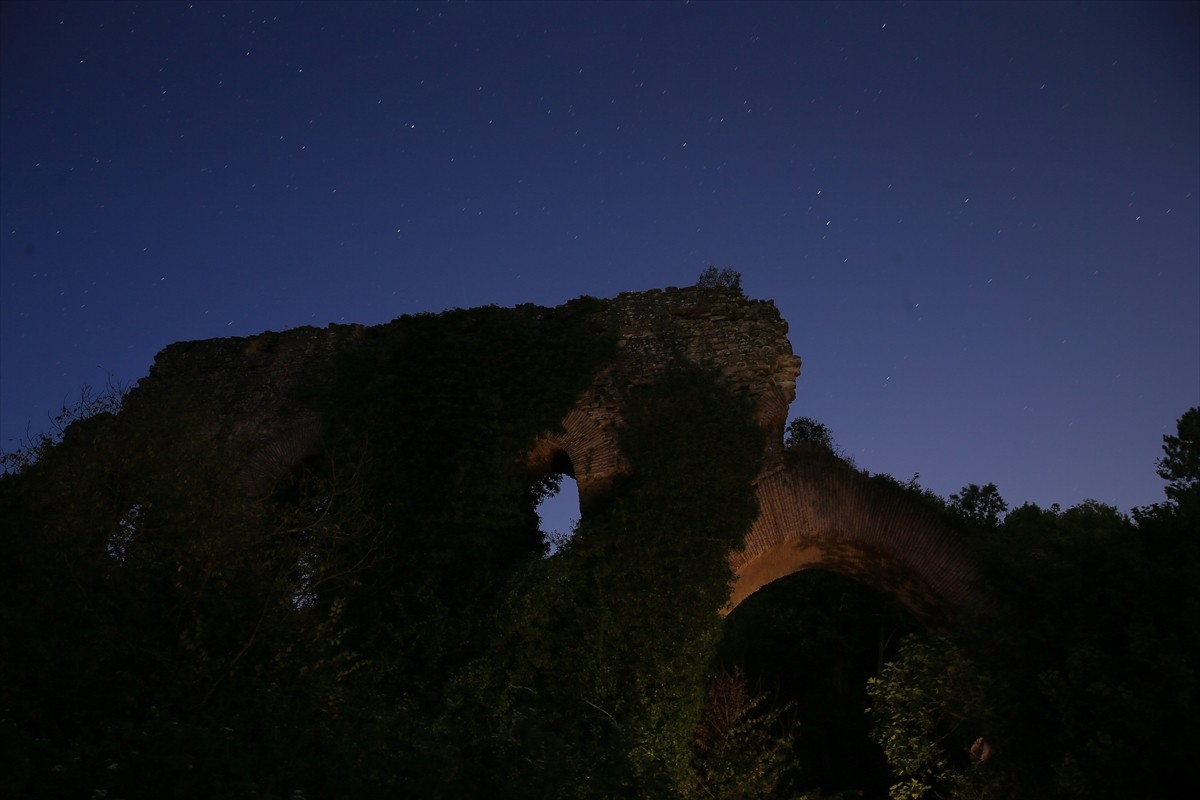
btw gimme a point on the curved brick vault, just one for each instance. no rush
(248, 393)
(824, 515)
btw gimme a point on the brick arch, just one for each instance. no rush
(828, 516)
(587, 442)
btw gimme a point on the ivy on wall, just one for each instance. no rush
(595, 678)
(384, 619)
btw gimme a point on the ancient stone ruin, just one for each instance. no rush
(247, 392)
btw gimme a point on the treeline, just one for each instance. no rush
(1078, 676)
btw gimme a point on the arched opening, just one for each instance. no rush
(555, 494)
(865, 527)
(809, 641)
(558, 513)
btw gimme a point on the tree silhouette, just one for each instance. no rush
(727, 278)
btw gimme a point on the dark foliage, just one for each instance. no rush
(806, 433)
(981, 506)
(1180, 464)
(595, 679)
(385, 624)
(162, 633)
(810, 642)
(1081, 659)
(713, 278)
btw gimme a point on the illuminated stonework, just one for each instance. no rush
(250, 393)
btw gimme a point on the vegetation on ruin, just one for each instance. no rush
(385, 621)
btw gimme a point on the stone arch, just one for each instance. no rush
(828, 516)
(817, 514)
(585, 448)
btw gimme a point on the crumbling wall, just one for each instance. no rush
(746, 340)
(259, 397)
(256, 394)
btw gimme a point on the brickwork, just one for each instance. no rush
(745, 339)
(255, 396)
(821, 516)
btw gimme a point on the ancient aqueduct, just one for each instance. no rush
(812, 515)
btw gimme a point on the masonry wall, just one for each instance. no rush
(255, 393)
(746, 340)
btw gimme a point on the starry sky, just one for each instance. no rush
(980, 220)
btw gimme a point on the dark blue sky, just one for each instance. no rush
(980, 220)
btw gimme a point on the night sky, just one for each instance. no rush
(980, 220)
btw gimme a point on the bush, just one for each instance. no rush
(727, 278)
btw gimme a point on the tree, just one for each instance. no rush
(807, 433)
(806, 439)
(740, 750)
(1180, 464)
(1077, 662)
(981, 505)
(89, 405)
(814, 638)
(927, 706)
(1081, 657)
(1089, 640)
(727, 278)
(157, 631)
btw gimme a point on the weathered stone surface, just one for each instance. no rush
(254, 395)
(252, 392)
(745, 339)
